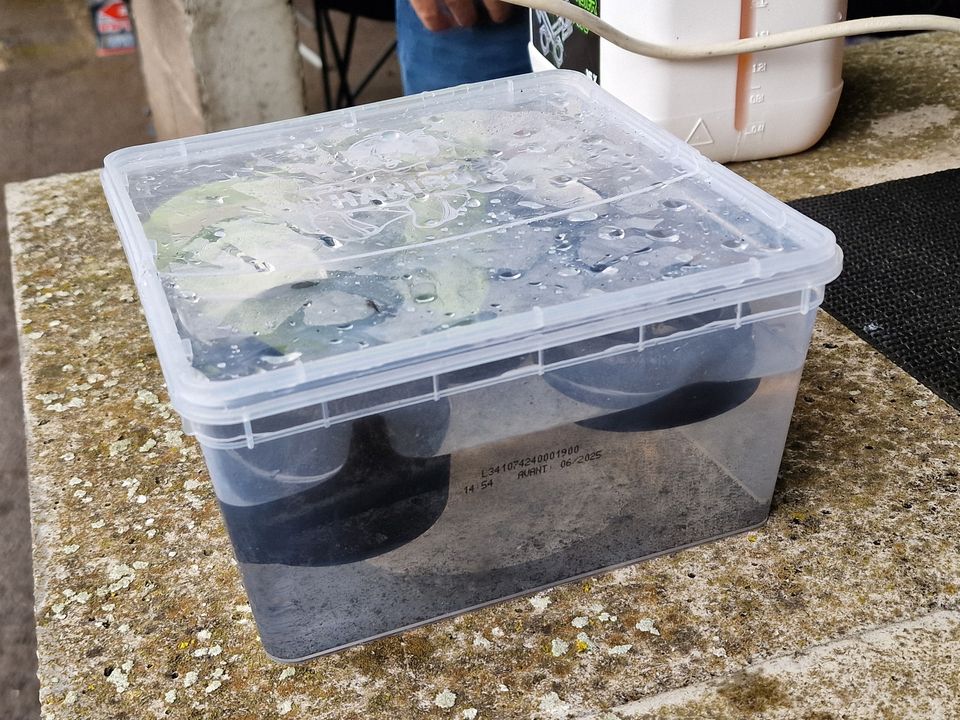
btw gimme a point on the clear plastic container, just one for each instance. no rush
(447, 349)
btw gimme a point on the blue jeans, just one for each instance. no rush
(435, 60)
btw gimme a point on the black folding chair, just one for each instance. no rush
(341, 52)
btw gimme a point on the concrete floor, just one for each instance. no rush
(61, 110)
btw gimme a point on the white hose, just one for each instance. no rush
(865, 26)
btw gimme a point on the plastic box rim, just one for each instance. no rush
(199, 399)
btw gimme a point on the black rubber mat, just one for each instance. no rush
(900, 287)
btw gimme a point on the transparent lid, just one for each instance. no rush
(411, 229)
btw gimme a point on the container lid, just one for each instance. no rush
(323, 256)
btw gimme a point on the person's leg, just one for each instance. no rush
(435, 60)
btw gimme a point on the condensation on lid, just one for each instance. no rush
(313, 238)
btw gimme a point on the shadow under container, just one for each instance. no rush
(581, 420)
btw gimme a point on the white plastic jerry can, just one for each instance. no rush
(743, 107)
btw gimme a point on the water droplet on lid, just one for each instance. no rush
(336, 341)
(330, 242)
(674, 204)
(523, 133)
(495, 306)
(345, 326)
(435, 118)
(375, 201)
(508, 274)
(663, 234)
(536, 283)
(674, 270)
(568, 271)
(530, 204)
(472, 203)
(278, 360)
(390, 135)
(221, 365)
(406, 276)
(737, 243)
(424, 297)
(582, 216)
(610, 232)
(561, 180)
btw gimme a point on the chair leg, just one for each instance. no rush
(376, 68)
(321, 20)
(340, 61)
(345, 94)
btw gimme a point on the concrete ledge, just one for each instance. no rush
(218, 64)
